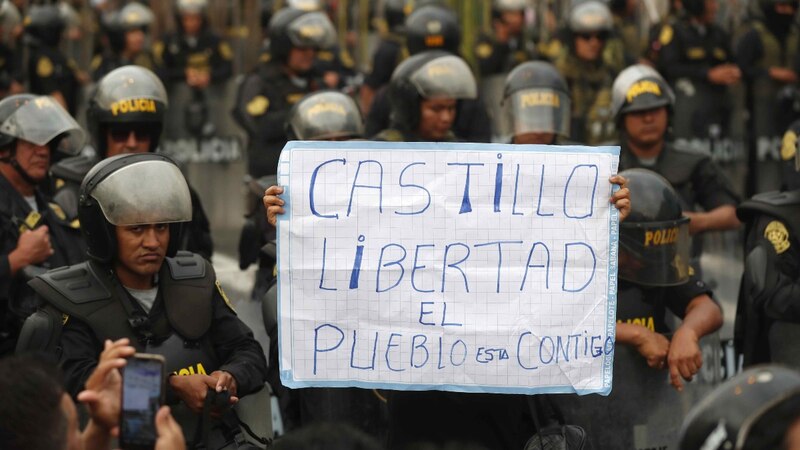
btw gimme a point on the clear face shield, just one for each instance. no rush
(313, 30)
(445, 77)
(655, 253)
(328, 115)
(42, 119)
(146, 192)
(538, 110)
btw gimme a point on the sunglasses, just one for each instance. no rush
(601, 36)
(121, 134)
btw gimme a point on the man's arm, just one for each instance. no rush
(718, 219)
(703, 316)
(80, 353)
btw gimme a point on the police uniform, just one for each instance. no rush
(336, 60)
(770, 286)
(9, 68)
(104, 63)
(685, 60)
(50, 71)
(207, 53)
(263, 102)
(590, 90)
(791, 177)
(386, 57)
(494, 57)
(16, 216)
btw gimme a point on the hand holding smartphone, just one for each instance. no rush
(142, 395)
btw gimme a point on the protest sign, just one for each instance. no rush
(460, 267)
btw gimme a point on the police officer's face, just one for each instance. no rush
(191, 23)
(127, 139)
(711, 9)
(646, 128)
(134, 41)
(589, 46)
(33, 159)
(141, 250)
(301, 59)
(436, 118)
(534, 138)
(513, 20)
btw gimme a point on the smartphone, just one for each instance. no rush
(142, 396)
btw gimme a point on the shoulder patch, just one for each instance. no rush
(696, 53)
(225, 50)
(666, 35)
(789, 145)
(294, 98)
(346, 59)
(44, 67)
(265, 57)
(777, 234)
(96, 61)
(58, 211)
(483, 50)
(64, 319)
(720, 53)
(158, 50)
(224, 297)
(258, 105)
(324, 55)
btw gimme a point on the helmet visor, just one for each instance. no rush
(147, 192)
(312, 30)
(655, 253)
(326, 116)
(445, 77)
(539, 111)
(40, 121)
(130, 89)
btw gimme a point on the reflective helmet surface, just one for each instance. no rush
(432, 27)
(192, 6)
(537, 99)
(654, 243)
(133, 16)
(590, 16)
(750, 411)
(291, 27)
(131, 189)
(305, 5)
(638, 88)
(325, 115)
(129, 94)
(39, 120)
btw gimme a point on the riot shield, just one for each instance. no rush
(643, 410)
(491, 91)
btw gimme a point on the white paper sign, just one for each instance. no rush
(459, 267)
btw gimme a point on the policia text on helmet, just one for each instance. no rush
(536, 98)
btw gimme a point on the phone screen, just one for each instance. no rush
(142, 381)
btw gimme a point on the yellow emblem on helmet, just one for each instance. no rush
(777, 234)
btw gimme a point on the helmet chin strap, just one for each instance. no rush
(15, 164)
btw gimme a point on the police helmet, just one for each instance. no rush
(432, 27)
(45, 23)
(192, 6)
(40, 120)
(131, 189)
(10, 16)
(589, 17)
(395, 12)
(750, 411)
(639, 88)
(127, 95)
(305, 5)
(509, 5)
(325, 115)
(431, 74)
(134, 16)
(291, 27)
(654, 240)
(537, 99)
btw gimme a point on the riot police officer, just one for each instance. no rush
(767, 56)
(126, 115)
(655, 277)
(766, 318)
(588, 76)
(506, 46)
(434, 27)
(127, 35)
(48, 71)
(387, 54)
(698, 63)
(36, 234)
(423, 94)
(757, 409)
(642, 105)
(140, 287)
(538, 104)
(266, 95)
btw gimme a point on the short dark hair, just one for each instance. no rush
(31, 417)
